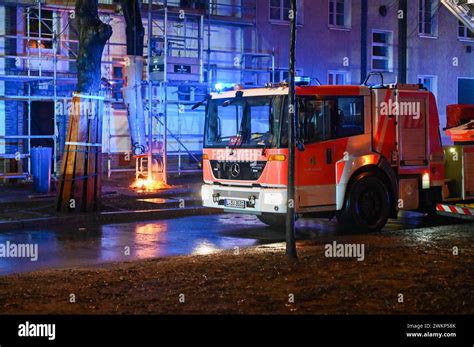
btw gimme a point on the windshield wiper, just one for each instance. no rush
(200, 103)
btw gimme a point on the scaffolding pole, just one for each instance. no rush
(150, 91)
(165, 92)
(55, 93)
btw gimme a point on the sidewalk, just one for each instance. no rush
(21, 207)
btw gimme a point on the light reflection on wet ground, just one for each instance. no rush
(80, 246)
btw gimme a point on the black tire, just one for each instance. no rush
(367, 206)
(277, 221)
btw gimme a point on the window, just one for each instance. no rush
(382, 55)
(184, 93)
(338, 77)
(350, 117)
(117, 75)
(315, 119)
(466, 90)
(47, 29)
(339, 13)
(428, 17)
(464, 33)
(322, 119)
(280, 11)
(281, 75)
(430, 82)
(197, 4)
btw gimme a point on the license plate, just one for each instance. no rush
(234, 203)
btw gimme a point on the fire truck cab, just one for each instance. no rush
(364, 153)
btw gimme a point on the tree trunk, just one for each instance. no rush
(93, 35)
(81, 168)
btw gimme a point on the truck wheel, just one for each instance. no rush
(367, 205)
(274, 220)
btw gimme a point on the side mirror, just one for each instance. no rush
(300, 146)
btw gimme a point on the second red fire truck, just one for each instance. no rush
(364, 153)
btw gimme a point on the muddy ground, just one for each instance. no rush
(263, 281)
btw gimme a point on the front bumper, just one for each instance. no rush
(255, 200)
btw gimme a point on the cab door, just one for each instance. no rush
(315, 166)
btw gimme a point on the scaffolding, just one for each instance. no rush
(180, 53)
(182, 59)
(35, 76)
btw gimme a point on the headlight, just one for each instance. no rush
(205, 193)
(273, 198)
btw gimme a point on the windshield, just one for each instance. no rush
(246, 122)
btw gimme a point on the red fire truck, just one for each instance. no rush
(364, 153)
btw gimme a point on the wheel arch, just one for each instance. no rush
(384, 171)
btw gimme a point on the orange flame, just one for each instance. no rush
(145, 185)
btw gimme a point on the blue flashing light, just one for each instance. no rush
(302, 80)
(222, 87)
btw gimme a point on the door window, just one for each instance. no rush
(322, 119)
(314, 119)
(350, 117)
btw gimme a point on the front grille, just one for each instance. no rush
(241, 171)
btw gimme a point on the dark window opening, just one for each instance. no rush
(117, 86)
(45, 40)
(42, 122)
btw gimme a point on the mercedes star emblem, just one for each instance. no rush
(235, 170)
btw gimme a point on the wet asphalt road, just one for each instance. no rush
(81, 246)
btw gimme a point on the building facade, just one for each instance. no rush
(339, 44)
(216, 41)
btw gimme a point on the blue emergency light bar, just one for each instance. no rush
(302, 80)
(223, 87)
